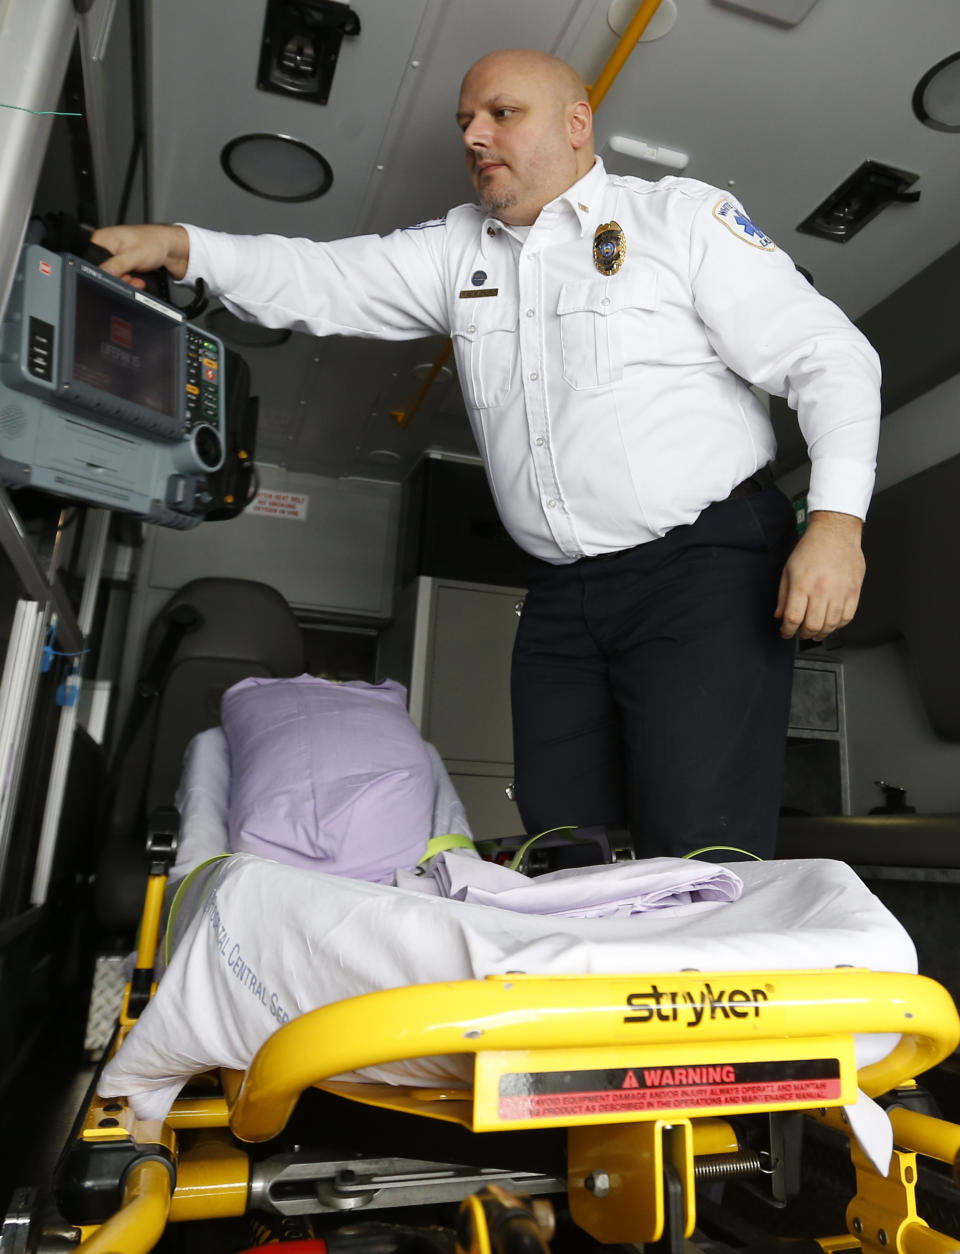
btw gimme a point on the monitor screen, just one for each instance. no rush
(125, 348)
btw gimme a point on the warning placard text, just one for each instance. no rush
(552, 1094)
(280, 504)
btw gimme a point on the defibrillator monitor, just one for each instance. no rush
(130, 351)
(107, 394)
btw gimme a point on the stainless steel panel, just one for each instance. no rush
(468, 706)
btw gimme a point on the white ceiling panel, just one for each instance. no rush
(778, 114)
(782, 115)
(204, 93)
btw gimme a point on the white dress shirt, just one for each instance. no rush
(608, 408)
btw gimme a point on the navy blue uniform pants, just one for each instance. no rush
(651, 688)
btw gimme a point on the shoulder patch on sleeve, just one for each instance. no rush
(737, 222)
(423, 226)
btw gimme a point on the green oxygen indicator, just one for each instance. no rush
(800, 513)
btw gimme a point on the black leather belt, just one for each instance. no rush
(758, 482)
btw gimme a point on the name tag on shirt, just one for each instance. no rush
(471, 293)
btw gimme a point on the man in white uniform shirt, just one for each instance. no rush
(604, 328)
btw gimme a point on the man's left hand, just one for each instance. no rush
(820, 584)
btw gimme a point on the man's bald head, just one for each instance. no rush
(562, 79)
(527, 127)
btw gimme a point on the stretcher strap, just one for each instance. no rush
(516, 861)
(440, 844)
(695, 853)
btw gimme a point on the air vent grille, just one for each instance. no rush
(13, 422)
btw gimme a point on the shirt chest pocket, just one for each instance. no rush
(607, 324)
(485, 342)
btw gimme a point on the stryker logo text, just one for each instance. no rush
(673, 1007)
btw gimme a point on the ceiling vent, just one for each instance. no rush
(301, 44)
(858, 199)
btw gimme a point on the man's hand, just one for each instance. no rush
(139, 249)
(820, 584)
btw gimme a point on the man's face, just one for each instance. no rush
(517, 134)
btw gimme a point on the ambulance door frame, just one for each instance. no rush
(36, 40)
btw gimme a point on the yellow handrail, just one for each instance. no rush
(925, 1134)
(628, 41)
(150, 922)
(402, 417)
(139, 1223)
(529, 1013)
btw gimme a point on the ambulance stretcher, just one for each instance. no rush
(651, 1071)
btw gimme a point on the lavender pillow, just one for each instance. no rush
(332, 777)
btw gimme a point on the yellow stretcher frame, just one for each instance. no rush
(642, 1070)
(594, 1014)
(553, 1028)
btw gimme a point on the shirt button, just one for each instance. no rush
(605, 301)
(530, 313)
(491, 230)
(539, 441)
(551, 504)
(471, 329)
(534, 376)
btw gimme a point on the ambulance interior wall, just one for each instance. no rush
(327, 545)
(889, 731)
(890, 737)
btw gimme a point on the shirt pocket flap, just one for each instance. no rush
(483, 316)
(606, 296)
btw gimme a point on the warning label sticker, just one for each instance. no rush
(549, 1094)
(280, 504)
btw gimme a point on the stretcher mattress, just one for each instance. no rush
(266, 942)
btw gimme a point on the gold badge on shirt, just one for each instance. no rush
(609, 247)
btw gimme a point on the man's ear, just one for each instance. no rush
(579, 123)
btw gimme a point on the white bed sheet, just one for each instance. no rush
(268, 942)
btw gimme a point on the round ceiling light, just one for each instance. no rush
(621, 14)
(276, 167)
(936, 98)
(245, 334)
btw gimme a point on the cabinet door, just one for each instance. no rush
(467, 712)
(491, 812)
(815, 704)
